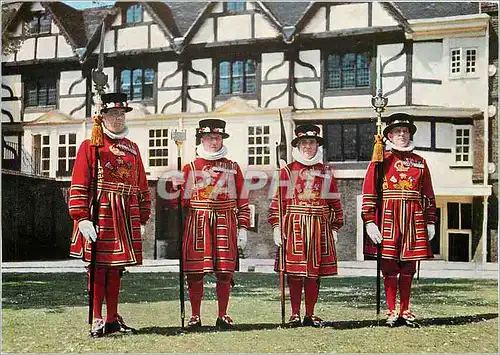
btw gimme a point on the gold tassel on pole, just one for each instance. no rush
(378, 149)
(96, 138)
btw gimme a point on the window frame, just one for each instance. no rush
(38, 80)
(38, 15)
(363, 90)
(359, 140)
(262, 145)
(143, 68)
(45, 172)
(461, 74)
(244, 58)
(226, 7)
(161, 147)
(470, 162)
(68, 159)
(125, 11)
(459, 230)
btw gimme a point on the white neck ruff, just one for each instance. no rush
(318, 158)
(211, 156)
(112, 135)
(409, 148)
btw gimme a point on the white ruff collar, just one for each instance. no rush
(318, 158)
(112, 135)
(211, 156)
(409, 148)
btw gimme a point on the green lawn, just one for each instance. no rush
(47, 313)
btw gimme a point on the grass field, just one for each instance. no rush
(47, 313)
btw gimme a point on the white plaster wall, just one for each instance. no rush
(132, 38)
(347, 101)
(219, 7)
(231, 28)
(348, 16)
(14, 83)
(165, 97)
(27, 50)
(422, 137)
(158, 38)
(220, 103)
(69, 77)
(271, 59)
(118, 19)
(380, 17)
(109, 42)
(442, 175)
(10, 139)
(427, 60)
(270, 91)
(14, 108)
(389, 51)
(445, 136)
(311, 89)
(204, 66)
(317, 23)
(46, 47)
(203, 95)
(63, 48)
(8, 58)
(28, 117)
(205, 33)
(37, 6)
(165, 69)
(455, 92)
(398, 97)
(263, 27)
(146, 16)
(312, 57)
(66, 105)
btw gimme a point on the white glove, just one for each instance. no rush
(242, 238)
(374, 233)
(431, 231)
(277, 236)
(143, 229)
(335, 236)
(87, 229)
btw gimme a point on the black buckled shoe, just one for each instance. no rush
(225, 322)
(312, 321)
(118, 325)
(294, 320)
(97, 330)
(194, 322)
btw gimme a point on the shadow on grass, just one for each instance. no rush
(459, 320)
(55, 291)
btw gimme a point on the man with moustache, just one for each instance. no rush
(408, 216)
(217, 220)
(312, 215)
(124, 207)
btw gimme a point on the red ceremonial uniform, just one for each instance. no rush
(216, 210)
(408, 205)
(312, 210)
(123, 198)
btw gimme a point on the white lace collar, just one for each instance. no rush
(211, 156)
(409, 148)
(112, 135)
(318, 158)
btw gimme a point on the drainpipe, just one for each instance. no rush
(485, 152)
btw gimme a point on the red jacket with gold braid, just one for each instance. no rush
(311, 212)
(124, 202)
(408, 205)
(216, 209)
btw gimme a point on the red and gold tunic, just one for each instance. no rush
(408, 205)
(124, 202)
(216, 209)
(312, 211)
